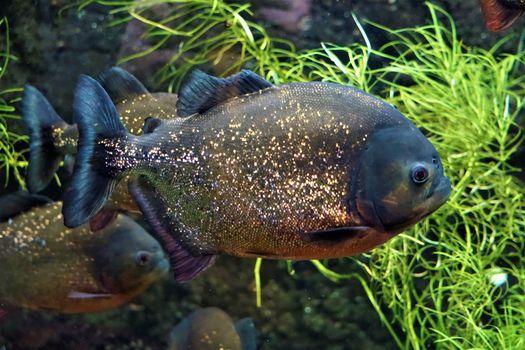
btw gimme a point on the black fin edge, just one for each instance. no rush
(13, 204)
(91, 184)
(40, 119)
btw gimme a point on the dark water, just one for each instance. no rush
(300, 311)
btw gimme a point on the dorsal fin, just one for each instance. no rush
(201, 91)
(121, 84)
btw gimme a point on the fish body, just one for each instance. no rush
(298, 171)
(52, 139)
(501, 14)
(210, 329)
(46, 266)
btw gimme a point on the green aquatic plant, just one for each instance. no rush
(12, 145)
(456, 280)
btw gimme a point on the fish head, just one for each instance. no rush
(132, 259)
(400, 180)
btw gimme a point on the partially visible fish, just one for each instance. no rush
(501, 14)
(51, 138)
(211, 329)
(46, 266)
(297, 171)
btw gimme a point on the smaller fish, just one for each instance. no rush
(46, 266)
(501, 14)
(52, 140)
(211, 329)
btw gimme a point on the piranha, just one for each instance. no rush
(501, 14)
(51, 139)
(47, 266)
(211, 329)
(297, 171)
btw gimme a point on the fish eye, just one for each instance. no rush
(419, 174)
(142, 258)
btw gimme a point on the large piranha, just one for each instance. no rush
(297, 171)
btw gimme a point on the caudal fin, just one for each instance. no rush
(91, 183)
(42, 123)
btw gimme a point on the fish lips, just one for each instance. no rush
(436, 197)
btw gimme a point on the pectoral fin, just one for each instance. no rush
(184, 264)
(101, 219)
(82, 295)
(335, 235)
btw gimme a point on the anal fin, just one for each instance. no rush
(185, 265)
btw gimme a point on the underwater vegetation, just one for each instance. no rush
(457, 280)
(12, 145)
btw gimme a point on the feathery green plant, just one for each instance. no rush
(11, 156)
(456, 280)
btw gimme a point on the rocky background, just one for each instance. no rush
(303, 311)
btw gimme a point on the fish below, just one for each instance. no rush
(211, 329)
(47, 266)
(297, 171)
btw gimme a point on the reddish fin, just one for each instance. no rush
(498, 16)
(184, 264)
(3, 313)
(101, 219)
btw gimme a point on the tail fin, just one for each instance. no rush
(91, 184)
(41, 120)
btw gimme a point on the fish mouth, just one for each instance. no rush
(163, 266)
(436, 197)
(444, 189)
